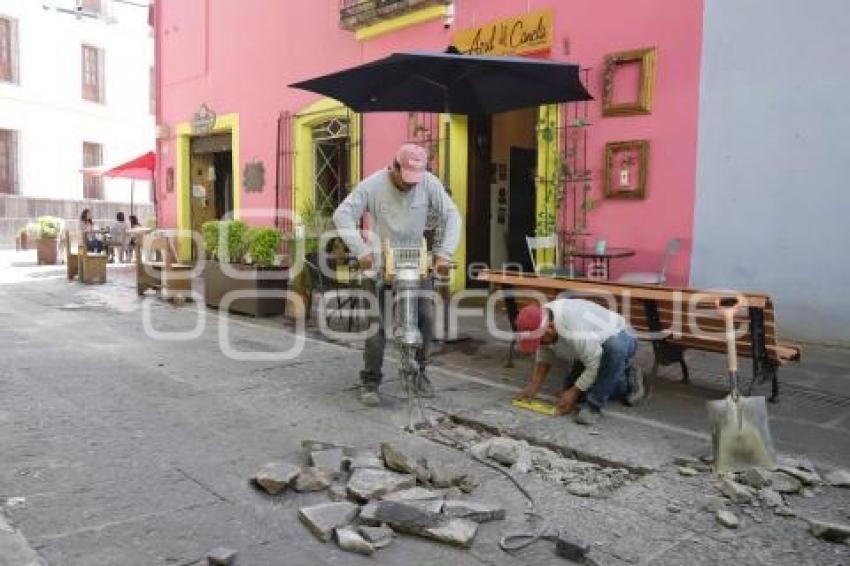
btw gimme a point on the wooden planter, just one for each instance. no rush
(217, 284)
(47, 251)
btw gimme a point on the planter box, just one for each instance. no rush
(47, 251)
(217, 284)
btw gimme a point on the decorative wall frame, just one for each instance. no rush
(626, 168)
(645, 59)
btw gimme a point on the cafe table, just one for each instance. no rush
(597, 263)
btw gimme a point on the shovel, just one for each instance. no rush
(739, 427)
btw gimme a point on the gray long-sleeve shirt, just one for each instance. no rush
(396, 215)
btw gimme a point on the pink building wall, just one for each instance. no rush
(238, 57)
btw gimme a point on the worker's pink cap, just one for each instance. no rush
(413, 161)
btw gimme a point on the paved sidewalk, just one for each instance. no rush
(119, 448)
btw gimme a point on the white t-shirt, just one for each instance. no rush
(583, 326)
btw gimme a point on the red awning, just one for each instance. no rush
(141, 167)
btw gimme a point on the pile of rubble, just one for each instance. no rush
(756, 490)
(583, 479)
(377, 493)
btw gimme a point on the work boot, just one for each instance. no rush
(424, 386)
(636, 387)
(587, 415)
(369, 395)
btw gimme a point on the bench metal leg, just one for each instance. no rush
(510, 306)
(686, 376)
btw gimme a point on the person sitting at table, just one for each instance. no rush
(131, 242)
(92, 242)
(118, 237)
(581, 331)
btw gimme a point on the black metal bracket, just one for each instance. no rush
(764, 368)
(666, 353)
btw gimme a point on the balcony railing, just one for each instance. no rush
(355, 14)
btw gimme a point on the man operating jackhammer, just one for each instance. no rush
(601, 346)
(396, 202)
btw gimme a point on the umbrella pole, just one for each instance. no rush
(132, 190)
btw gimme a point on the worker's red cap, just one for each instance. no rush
(529, 325)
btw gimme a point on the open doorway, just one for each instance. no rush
(211, 166)
(502, 189)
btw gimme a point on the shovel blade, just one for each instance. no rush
(740, 434)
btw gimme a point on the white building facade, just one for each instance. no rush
(76, 91)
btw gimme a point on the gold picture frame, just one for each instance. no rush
(643, 105)
(626, 169)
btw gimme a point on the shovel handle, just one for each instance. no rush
(727, 306)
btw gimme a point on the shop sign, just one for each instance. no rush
(203, 121)
(529, 33)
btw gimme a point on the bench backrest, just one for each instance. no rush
(681, 315)
(156, 244)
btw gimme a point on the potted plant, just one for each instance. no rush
(47, 247)
(244, 259)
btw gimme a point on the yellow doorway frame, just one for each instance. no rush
(224, 124)
(548, 163)
(302, 137)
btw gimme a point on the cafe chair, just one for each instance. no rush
(538, 243)
(659, 278)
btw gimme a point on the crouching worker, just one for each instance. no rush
(600, 344)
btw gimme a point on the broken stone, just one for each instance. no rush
(443, 477)
(431, 506)
(329, 460)
(468, 482)
(324, 518)
(221, 557)
(367, 514)
(785, 511)
(672, 508)
(523, 463)
(770, 497)
(503, 450)
(736, 492)
(798, 462)
(582, 489)
(275, 477)
(458, 532)
(312, 479)
(413, 494)
(687, 472)
(473, 511)
(688, 461)
(368, 483)
(783, 483)
(405, 517)
(364, 459)
(379, 537)
(838, 478)
(338, 493)
(350, 540)
(756, 477)
(398, 461)
(832, 532)
(727, 519)
(806, 477)
(807, 493)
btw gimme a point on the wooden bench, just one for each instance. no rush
(672, 319)
(89, 267)
(157, 268)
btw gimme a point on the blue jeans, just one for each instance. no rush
(611, 383)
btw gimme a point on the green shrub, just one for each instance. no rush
(209, 230)
(225, 240)
(263, 244)
(49, 227)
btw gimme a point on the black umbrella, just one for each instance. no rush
(423, 81)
